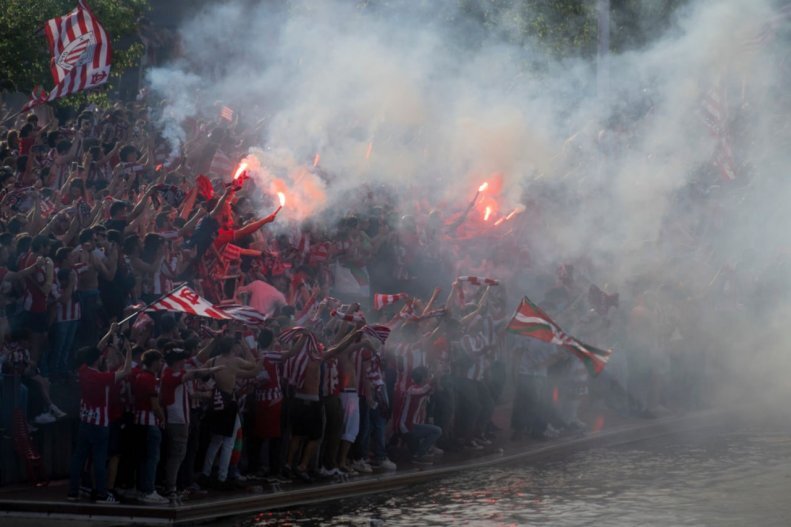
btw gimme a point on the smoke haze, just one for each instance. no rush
(419, 97)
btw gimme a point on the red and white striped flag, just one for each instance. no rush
(81, 54)
(226, 113)
(221, 165)
(476, 280)
(246, 314)
(185, 300)
(381, 300)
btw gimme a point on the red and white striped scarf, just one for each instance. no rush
(358, 317)
(382, 300)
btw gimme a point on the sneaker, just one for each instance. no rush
(85, 492)
(57, 412)
(386, 464)
(349, 471)
(436, 451)
(44, 419)
(472, 445)
(195, 491)
(72, 497)
(422, 460)
(303, 476)
(174, 498)
(108, 500)
(361, 466)
(31, 429)
(154, 499)
(327, 472)
(483, 441)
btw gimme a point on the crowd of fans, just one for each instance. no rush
(98, 218)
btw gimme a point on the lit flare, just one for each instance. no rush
(282, 198)
(487, 214)
(240, 170)
(483, 186)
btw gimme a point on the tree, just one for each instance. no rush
(24, 55)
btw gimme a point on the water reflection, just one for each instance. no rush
(729, 479)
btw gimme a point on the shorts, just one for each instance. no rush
(266, 419)
(350, 402)
(305, 417)
(37, 322)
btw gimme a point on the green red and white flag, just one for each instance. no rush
(530, 321)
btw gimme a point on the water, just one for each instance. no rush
(731, 478)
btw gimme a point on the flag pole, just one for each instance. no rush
(145, 307)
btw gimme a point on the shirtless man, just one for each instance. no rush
(224, 413)
(305, 408)
(347, 352)
(89, 261)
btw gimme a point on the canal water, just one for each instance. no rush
(726, 478)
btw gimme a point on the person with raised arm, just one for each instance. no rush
(94, 431)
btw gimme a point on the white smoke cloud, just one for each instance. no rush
(441, 105)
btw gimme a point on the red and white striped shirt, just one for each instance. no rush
(95, 395)
(175, 396)
(67, 311)
(144, 387)
(268, 381)
(414, 409)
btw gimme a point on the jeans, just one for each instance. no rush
(91, 439)
(14, 395)
(422, 438)
(147, 469)
(224, 445)
(377, 425)
(333, 427)
(177, 435)
(64, 334)
(360, 448)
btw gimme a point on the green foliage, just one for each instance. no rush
(566, 28)
(24, 56)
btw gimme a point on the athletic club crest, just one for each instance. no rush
(78, 52)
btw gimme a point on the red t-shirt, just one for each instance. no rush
(144, 387)
(95, 395)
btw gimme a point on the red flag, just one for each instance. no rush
(530, 321)
(81, 54)
(185, 300)
(205, 187)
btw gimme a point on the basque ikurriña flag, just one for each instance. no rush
(81, 54)
(530, 321)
